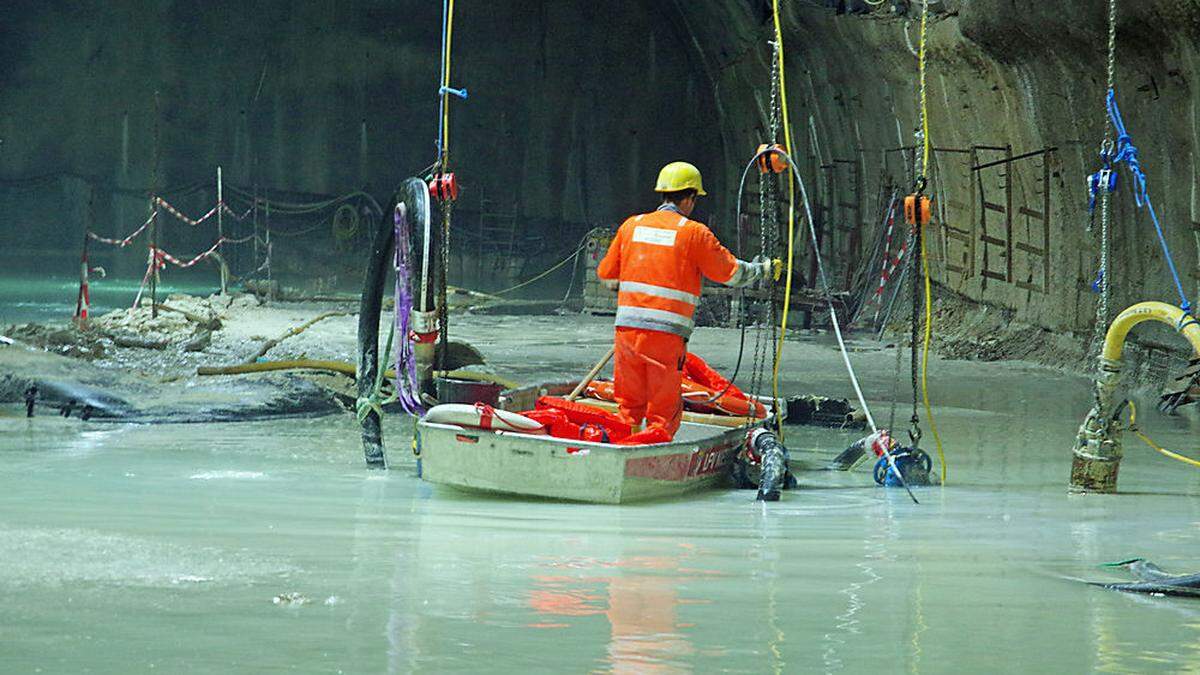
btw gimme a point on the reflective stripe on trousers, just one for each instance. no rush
(655, 319)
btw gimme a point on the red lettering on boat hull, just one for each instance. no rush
(681, 466)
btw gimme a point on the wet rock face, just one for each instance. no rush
(1004, 79)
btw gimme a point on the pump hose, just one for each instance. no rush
(369, 308)
(344, 368)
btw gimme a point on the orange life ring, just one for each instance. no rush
(703, 399)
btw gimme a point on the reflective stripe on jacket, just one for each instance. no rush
(660, 260)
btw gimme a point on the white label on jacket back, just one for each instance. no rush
(654, 235)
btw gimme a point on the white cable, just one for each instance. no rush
(837, 331)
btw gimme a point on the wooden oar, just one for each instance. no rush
(592, 374)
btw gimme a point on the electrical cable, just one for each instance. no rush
(1146, 439)
(571, 256)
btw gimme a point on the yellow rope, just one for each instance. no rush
(1146, 439)
(544, 274)
(937, 438)
(445, 158)
(787, 136)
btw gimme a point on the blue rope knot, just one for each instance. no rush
(1106, 178)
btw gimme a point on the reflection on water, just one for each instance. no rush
(128, 548)
(638, 599)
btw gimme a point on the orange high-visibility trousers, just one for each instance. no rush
(647, 371)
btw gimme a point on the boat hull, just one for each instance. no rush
(542, 466)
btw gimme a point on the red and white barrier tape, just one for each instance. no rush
(158, 259)
(127, 240)
(890, 268)
(179, 214)
(229, 211)
(165, 257)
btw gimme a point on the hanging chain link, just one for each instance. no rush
(443, 309)
(922, 173)
(921, 161)
(1112, 45)
(914, 432)
(765, 335)
(774, 237)
(1106, 150)
(775, 110)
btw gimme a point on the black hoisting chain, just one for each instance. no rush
(914, 431)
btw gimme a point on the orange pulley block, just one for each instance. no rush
(771, 158)
(443, 187)
(915, 203)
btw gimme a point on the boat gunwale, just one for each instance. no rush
(596, 445)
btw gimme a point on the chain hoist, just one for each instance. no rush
(770, 165)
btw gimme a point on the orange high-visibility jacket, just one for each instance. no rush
(660, 260)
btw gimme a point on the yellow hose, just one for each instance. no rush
(1152, 444)
(787, 139)
(937, 438)
(1114, 339)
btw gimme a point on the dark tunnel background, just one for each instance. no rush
(573, 108)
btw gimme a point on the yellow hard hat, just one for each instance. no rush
(678, 176)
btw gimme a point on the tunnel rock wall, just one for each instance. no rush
(1005, 79)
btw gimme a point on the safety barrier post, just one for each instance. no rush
(152, 272)
(221, 230)
(83, 298)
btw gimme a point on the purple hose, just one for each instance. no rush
(405, 382)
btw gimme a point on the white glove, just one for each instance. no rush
(761, 266)
(748, 273)
(611, 284)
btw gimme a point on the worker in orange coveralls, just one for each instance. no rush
(656, 264)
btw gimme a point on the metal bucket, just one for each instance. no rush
(451, 390)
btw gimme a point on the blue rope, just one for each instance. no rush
(1106, 179)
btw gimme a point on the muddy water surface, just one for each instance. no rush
(256, 546)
